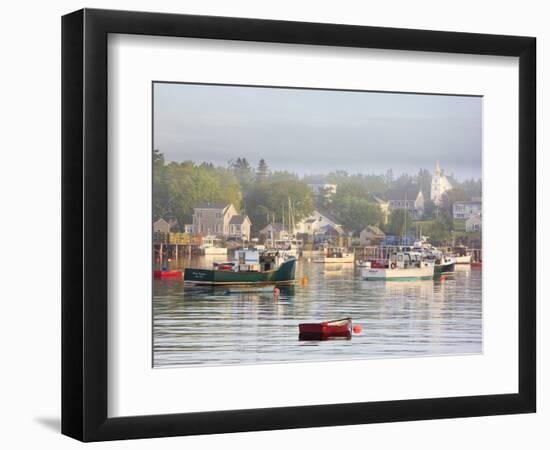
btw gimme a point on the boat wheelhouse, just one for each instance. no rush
(212, 246)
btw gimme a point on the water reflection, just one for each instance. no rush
(204, 325)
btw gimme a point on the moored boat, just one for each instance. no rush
(335, 255)
(402, 266)
(167, 274)
(462, 255)
(212, 246)
(268, 268)
(328, 329)
(445, 265)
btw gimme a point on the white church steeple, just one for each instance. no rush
(440, 185)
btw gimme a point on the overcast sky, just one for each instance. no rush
(318, 131)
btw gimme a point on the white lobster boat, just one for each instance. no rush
(464, 259)
(212, 246)
(402, 266)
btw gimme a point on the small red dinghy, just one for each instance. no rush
(167, 274)
(324, 330)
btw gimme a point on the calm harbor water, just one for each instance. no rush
(209, 326)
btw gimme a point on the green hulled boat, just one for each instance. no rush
(267, 268)
(445, 266)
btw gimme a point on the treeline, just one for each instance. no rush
(179, 187)
(267, 195)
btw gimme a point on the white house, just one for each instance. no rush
(315, 222)
(465, 210)
(473, 223)
(440, 185)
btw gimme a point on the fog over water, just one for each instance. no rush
(317, 131)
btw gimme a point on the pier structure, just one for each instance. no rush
(175, 245)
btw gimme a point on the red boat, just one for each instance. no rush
(323, 330)
(167, 274)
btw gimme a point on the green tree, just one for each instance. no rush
(438, 231)
(472, 187)
(429, 208)
(356, 213)
(262, 171)
(280, 197)
(179, 187)
(161, 196)
(400, 222)
(243, 171)
(449, 198)
(424, 180)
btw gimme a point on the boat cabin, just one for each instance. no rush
(406, 260)
(336, 252)
(211, 241)
(255, 261)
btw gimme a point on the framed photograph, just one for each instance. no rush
(272, 224)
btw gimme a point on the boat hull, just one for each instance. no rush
(329, 260)
(167, 274)
(285, 274)
(417, 273)
(441, 269)
(214, 251)
(324, 330)
(463, 259)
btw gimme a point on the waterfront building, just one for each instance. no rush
(162, 225)
(371, 235)
(409, 198)
(314, 223)
(440, 185)
(214, 219)
(239, 227)
(274, 232)
(467, 209)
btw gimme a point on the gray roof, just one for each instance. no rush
(374, 230)
(238, 220)
(409, 193)
(213, 205)
(329, 217)
(275, 226)
(467, 202)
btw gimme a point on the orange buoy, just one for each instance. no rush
(305, 281)
(357, 329)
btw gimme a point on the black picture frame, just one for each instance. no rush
(84, 224)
